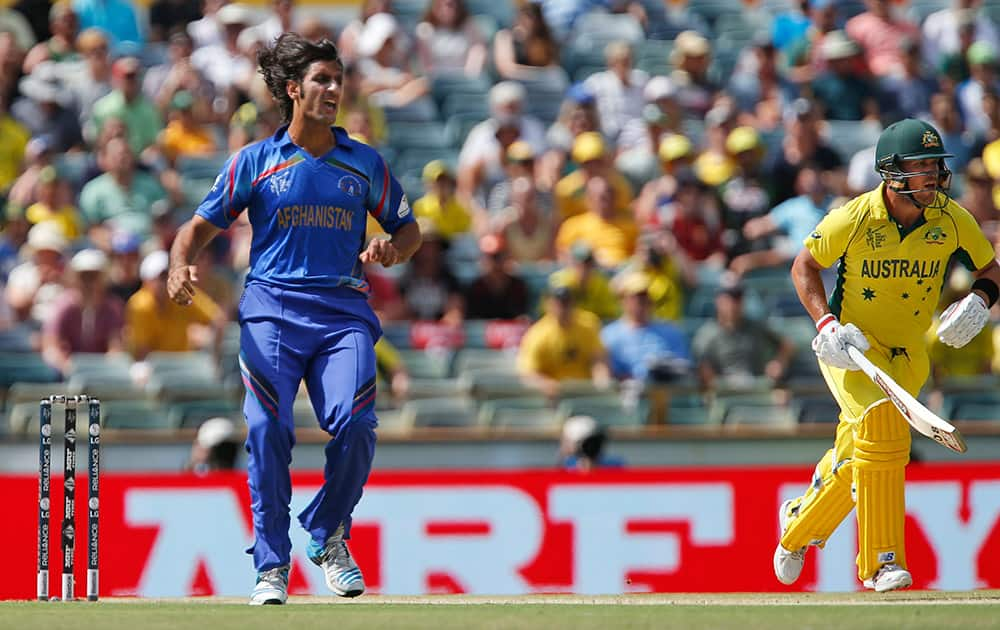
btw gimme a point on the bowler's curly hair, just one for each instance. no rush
(287, 60)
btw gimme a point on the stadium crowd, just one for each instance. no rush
(610, 191)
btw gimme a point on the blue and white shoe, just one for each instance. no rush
(343, 576)
(271, 587)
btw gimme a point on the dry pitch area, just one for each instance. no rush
(911, 610)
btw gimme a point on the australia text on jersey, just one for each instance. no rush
(900, 268)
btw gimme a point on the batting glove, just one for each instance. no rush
(830, 345)
(963, 320)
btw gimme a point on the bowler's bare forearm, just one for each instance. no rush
(192, 237)
(809, 284)
(407, 240)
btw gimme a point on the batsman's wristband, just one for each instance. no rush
(824, 321)
(988, 287)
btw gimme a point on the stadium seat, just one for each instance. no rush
(194, 364)
(760, 415)
(390, 421)
(433, 388)
(497, 412)
(688, 409)
(815, 409)
(421, 364)
(487, 385)
(28, 367)
(597, 29)
(607, 409)
(525, 419)
(438, 413)
(480, 359)
(422, 135)
(135, 414)
(192, 413)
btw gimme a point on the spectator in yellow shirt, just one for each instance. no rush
(611, 235)
(591, 155)
(13, 141)
(155, 323)
(591, 289)
(565, 344)
(52, 204)
(440, 206)
(184, 136)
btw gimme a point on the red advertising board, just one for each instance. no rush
(615, 531)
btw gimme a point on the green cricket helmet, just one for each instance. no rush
(911, 139)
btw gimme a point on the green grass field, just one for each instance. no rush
(911, 610)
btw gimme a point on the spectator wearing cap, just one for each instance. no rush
(224, 63)
(123, 265)
(430, 291)
(609, 232)
(184, 136)
(661, 114)
(496, 293)
(803, 56)
(440, 206)
(843, 90)
(982, 59)
(789, 223)
(449, 41)
(89, 80)
(122, 194)
(216, 447)
(733, 351)
(618, 90)
(34, 285)
(577, 115)
(879, 32)
(178, 73)
(942, 30)
(350, 37)
(86, 318)
(46, 107)
(744, 196)
(593, 159)
(908, 93)
(61, 45)
(117, 18)
(674, 155)
(53, 199)
(663, 273)
(528, 50)
(714, 165)
(582, 446)
(519, 161)
(155, 323)
(591, 289)
(563, 345)
(387, 74)
(801, 145)
(524, 225)
(480, 162)
(649, 354)
(127, 103)
(691, 57)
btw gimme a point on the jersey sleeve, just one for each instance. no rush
(386, 200)
(974, 250)
(829, 241)
(230, 194)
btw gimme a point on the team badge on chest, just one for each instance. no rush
(280, 182)
(350, 185)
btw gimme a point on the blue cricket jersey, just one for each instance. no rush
(308, 213)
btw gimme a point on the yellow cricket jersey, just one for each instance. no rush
(561, 353)
(889, 278)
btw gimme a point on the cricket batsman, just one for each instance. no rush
(892, 246)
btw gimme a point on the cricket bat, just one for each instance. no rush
(920, 417)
